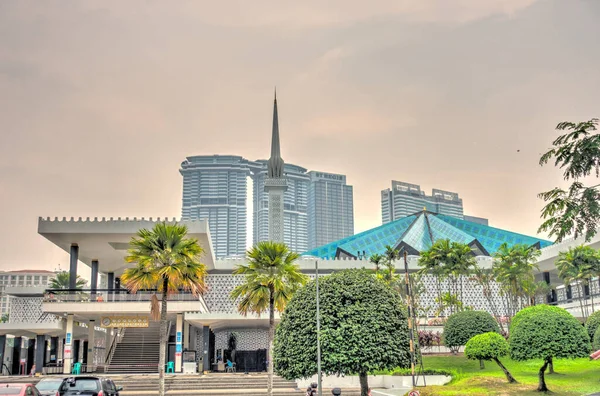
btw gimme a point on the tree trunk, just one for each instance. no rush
(163, 339)
(271, 338)
(542, 381)
(581, 300)
(481, 364)
(364, 384)
(551, 366)
(507, 373)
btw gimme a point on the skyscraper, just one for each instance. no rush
(214, 188)
(330, 208)
(404, 199)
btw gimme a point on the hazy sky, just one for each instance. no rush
(100, 101)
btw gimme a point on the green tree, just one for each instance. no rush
(364, 328)
(167, 261)
(576, 210)
(4, 318)
(462, 326)
(514, 269)
(578, 264)
(390, 256)
(271, 279)
(485, 278)
(596, 339)
(377, 260)
(546, 332)
(489, 346)
(592, 323)
(61, 281)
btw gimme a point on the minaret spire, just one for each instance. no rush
(275, 169)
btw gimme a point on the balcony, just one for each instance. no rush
(90, 303)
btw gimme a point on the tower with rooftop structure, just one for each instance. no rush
(275, 183)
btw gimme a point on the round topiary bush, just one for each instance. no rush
(489, 346)
(462, 326)
(546, 332)
(596, 342)
(364, 328)
(592, 323)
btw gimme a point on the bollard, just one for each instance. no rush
(336, 391)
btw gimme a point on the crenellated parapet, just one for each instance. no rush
(113, 219)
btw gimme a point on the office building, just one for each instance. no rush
(214, 188)
(405, 199)
(330, 208)
(21, 278)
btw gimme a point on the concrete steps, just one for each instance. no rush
(138, 351)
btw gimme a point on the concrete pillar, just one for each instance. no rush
(73, 266)
(17, 341)
(206, 358)
(186, 336)
(40, 348)
(2, 349)
(90, 348)
(110, 285)
(94, 276)
(30, 355)
(546, 278)
(68, 350)
(178, 343)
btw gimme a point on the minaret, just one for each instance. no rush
(275, 183)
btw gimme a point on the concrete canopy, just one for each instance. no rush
(107, 240)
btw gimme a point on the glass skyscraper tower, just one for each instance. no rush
(214, 188)
(405, 199)
(330, 208)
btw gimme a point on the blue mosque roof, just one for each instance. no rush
(418, 232)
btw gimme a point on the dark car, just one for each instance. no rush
(88, 386)
(49, 386)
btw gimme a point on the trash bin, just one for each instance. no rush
(336, 391)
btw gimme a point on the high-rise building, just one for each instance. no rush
(405, 199)
(21, 278)
(215, 188)
(330, 208)
(295, 206)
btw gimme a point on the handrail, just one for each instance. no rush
(116, 339)
(105, 295)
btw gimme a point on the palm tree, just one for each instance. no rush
(463, 262)
(167, 261)
(430, 263)
(579, 264)
(390, 255)
(271, 278)
(376, 259)
(513, 268)
(61, 281)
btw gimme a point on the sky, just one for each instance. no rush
(101, 101)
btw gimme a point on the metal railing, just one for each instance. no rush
(119, 333)
(111, 295)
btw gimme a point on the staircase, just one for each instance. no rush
(138, 351)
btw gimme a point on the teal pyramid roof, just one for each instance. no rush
(418, 232)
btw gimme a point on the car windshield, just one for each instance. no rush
(11, 390)
(51, 385)
(83, 384)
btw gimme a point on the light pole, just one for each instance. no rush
(319, 387)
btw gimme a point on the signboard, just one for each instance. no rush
(68, 340)
(178, 348)
(67, 354)
(177, 354)
(178, 336)
(23, 361)
(124, 321)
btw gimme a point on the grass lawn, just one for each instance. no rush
(574, 377)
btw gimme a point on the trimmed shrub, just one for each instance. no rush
(462, 326)
(592, 324)
(597, 339)
(489, 346)
(545, 332)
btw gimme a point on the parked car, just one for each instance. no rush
(18, 390)
(49, 386)
(88, 386)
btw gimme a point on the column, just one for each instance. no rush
(546, 278)
(2, 349)
(40, 348)
(206, 358)
(16, 359)
(186, 337)
(90, 351)
(110, 286)
(94, 280)
(178, 343)
(68, 351)
(73, 266)
(30, 355)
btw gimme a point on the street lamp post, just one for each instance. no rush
(319, 387)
